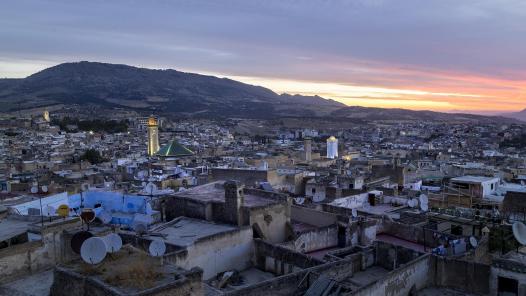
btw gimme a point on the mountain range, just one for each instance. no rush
(521, 115)
(187, 94)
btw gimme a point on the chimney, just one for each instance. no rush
(234, 199)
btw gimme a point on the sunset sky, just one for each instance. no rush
(445, 55)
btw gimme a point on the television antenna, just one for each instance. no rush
(93, 250)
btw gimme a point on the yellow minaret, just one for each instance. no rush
(46, 116)
(153, 136)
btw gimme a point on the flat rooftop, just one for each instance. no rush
(474, 179)
(12, 227)
(214, 192)
(186, 231)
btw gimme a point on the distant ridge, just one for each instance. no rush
(521, 115)
(171, 91)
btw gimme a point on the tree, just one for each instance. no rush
(93, 156)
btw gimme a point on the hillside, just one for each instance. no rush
(356, 112)
(166, 90)
(171, 91)
(521, 115)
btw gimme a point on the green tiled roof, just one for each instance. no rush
(174, 149)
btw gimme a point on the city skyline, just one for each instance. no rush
(442, 56)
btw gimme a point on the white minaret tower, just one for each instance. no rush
(332, 147)
(153, 136)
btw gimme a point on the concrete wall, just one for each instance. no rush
(272, 220)
(495, 273)
(466, 276)
(317, 239)
(412, 277)
(280, 260)
(218, 253)
(69, 283)
(286, 285)
(248, 177)
(22, 259)
(312, 217)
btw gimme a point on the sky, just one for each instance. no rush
(443, 55)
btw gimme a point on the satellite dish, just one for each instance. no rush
(519, 232)
(423, 199)
(78, 239)
(113, 242)
(411, 203)
(105, 217)
(34, 189)
(473, 242)
(143, 184)
(299, 200)
(87, 215)
(157, 248)
(63, 211)
(49, 211)
(93, 250)
(354, 212)
(150, 188)
(44, 189)
(424, 207)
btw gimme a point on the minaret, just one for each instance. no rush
(332, 147)
(307, 146)
(46, 116)
(153, 136)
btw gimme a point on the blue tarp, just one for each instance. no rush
(122, 207)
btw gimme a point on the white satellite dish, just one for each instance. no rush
(519, 232)
(424, 207)
(411, 203)
(49, 211)
(423, 199)
(34, 189)
(299, 200)
(93, 250)
(157, 248)
(143, 184)
(473, 242)
(44, 188)
(150, 188)
(113, 242)
(354, 212)
(105, 217)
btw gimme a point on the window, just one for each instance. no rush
(507, 286)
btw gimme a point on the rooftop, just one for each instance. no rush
(214, 192)
(474, 179)
(186, 231)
